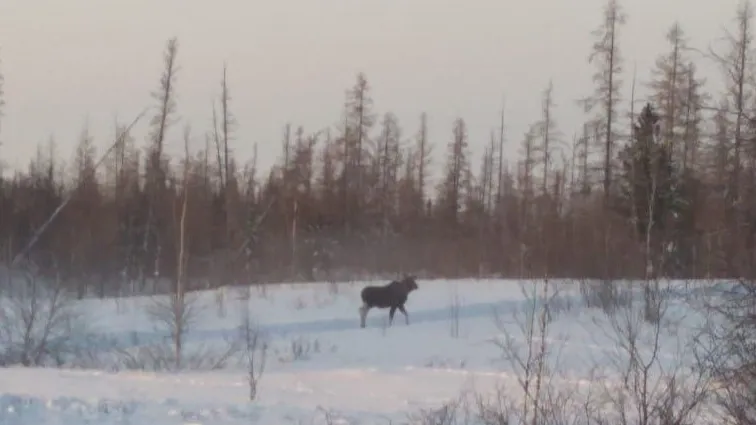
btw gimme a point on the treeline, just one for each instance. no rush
(664, 188)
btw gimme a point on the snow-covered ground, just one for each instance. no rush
(321, 367)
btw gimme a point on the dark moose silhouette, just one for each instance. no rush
(392, 295)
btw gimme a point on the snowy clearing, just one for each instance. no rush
(321, 367)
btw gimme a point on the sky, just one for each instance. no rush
(76, 63)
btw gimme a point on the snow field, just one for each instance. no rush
(322, 368)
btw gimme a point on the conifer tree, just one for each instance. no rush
(648, 182)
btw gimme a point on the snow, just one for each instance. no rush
(321, 367)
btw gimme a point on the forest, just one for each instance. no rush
(662, 186)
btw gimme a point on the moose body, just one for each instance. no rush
(392, 296)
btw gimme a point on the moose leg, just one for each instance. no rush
(404, 312)
(391, 315)
(363, 314)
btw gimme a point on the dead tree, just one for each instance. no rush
(606, 56)
(156, 175)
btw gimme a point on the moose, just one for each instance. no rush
(392, 295)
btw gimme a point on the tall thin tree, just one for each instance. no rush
(606, 56)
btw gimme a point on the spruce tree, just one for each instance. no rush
(648, 188)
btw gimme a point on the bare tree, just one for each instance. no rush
(452, 189)
(178, 312)
(530, 362)
(424, 151)
(548, 134)
(487, 176)
(695, 100)
(525, 184)
(737, 66)
(535, 363)
(87, 227)
(454, 412)
(658, 385)
(228, 123)
(668, 85)
(358, 121)
(606, 56)
(39, 322)
(156, 173)
(726, 347)
(255, 350)
(500, 163)
(388, 162)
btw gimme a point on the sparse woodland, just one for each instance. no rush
(651, 187)
(657, 186)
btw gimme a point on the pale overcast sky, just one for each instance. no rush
(66, 62)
